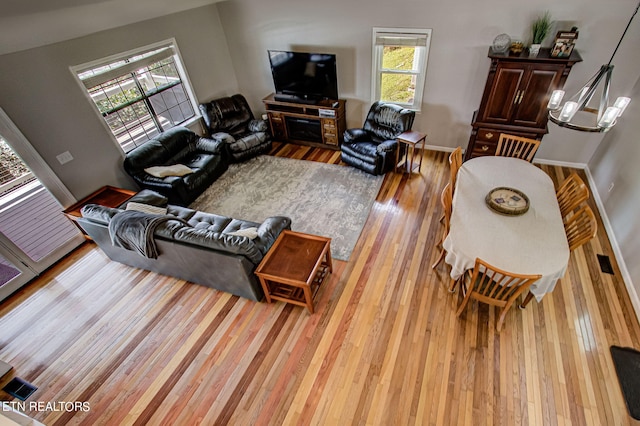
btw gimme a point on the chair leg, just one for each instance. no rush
(440, 259)
(527, 299)
(465, 301)
(453, 284)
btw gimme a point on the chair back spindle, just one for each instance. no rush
(517, 147)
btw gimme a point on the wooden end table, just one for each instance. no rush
(411, 139)
(108, 196)
(295, 267)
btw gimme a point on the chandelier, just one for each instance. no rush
(577, 114)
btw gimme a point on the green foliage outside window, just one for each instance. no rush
(397, 87)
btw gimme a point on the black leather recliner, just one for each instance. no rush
(207, 158)
(231, 121)
(373, 147)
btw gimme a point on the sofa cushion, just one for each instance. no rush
(209, 221)
(251, 233)
(219, 241)
(363, 151)
(172, 170)
(181, 212)
(146, 208)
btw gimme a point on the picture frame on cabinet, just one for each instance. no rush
(564, 44)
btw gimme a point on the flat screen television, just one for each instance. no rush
(304, 77)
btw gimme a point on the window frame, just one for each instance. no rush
(421, 69)
(179, 64)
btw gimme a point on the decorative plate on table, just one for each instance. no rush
(507, 201)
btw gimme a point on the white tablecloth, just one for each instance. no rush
(533, 243)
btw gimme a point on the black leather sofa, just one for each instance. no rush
(372, 148)
(230, 120)
(207, 158)
(200, 251)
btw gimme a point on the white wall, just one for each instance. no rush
(617, 161)
(40, 95)
(458, 66)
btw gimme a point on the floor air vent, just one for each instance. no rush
(19, 388)
(605, 264)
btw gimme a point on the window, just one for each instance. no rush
(139, 94)
(13, 172)
(400, 65)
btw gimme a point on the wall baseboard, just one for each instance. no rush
(626, 276)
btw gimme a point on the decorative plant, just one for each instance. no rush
(541, 27)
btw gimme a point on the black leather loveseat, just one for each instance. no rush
(198, 247)
(207, 159)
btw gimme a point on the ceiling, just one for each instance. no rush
(25, 24)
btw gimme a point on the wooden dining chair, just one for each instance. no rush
(488, 284)
(446, 199)
(455, 161)
(571, 193)
(581, 227)
(517, 147)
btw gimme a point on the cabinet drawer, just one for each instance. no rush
(481, 148)
(488, 135)
(330, 139)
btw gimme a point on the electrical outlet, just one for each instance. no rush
(611, 187)
(65, 157)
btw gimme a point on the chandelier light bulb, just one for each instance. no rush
(621, 103)
(609, 117)
(555, 99)
(568, 111)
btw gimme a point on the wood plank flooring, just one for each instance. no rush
(384, 346)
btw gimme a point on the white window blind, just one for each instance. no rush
(126, 68)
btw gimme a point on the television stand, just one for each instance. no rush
(292, 99)
(320, 124)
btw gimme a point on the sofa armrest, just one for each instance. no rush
(98, 213)
(269, 230)
(147, 196)
(212, 145)
(387, 146)
(256, 126)
(355, 135)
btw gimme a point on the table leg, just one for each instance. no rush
(308, 297)
(421, 155)
(265, 289)
(329, 260)
(526, 300)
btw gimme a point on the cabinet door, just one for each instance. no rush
(500, 102)
(534, 91)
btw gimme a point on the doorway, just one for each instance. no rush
(34, 233)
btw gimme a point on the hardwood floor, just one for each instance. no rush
(384, 346)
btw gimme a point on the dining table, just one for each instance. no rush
(530, 243)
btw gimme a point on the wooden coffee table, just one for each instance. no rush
(295, 267)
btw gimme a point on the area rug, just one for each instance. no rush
(322, 199)
(627, 363)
